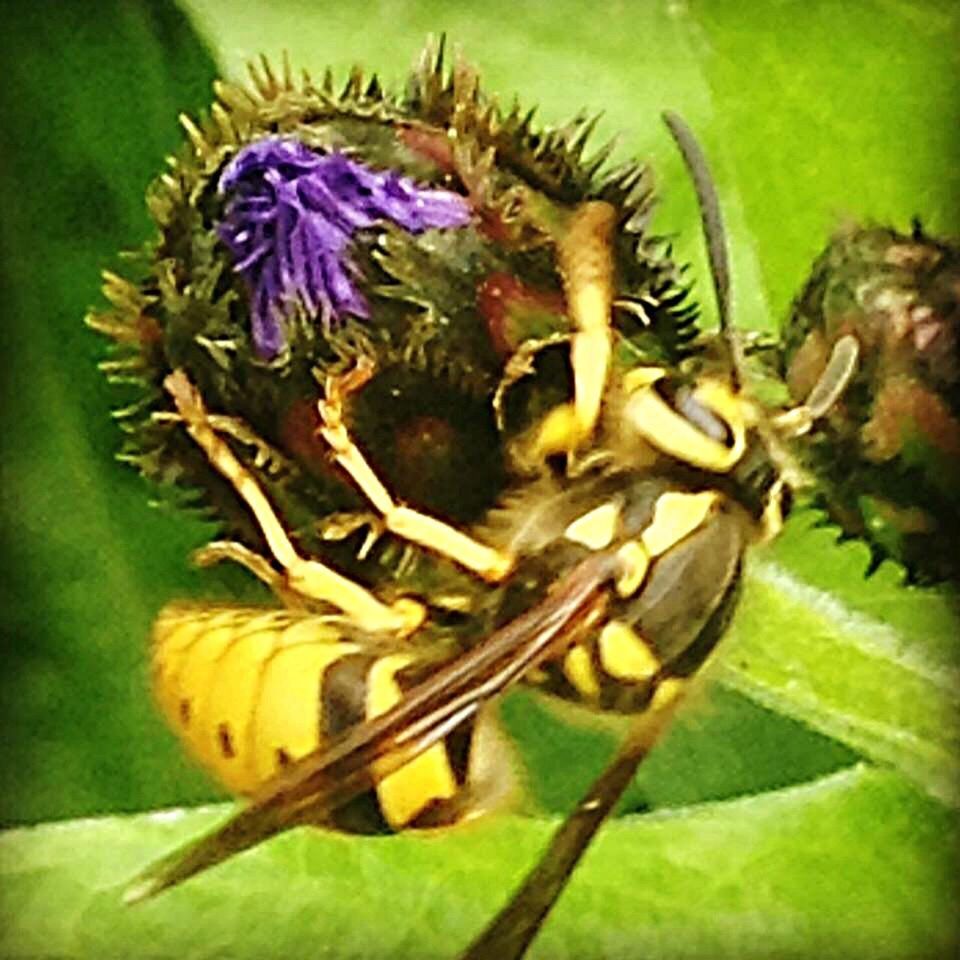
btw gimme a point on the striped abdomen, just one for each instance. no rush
(249, 689)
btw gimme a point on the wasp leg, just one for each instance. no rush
(264, 456)
(256, 563)
(515, 927)
(402, 521)
(339, 526)
(309, 579)
(585, 256)
(519, 365)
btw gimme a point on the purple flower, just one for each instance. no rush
(291, 216)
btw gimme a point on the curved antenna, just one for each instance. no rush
(710, 215)
(713, 230)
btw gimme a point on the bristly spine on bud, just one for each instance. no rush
(288, 225)
(304, 226)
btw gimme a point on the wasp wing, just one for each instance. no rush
(325, 780)
(510, 933)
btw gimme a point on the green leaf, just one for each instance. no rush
(816, 870)
(90, 102)
(887, 687)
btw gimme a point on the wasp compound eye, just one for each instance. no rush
(702, 417)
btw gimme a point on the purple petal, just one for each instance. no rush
(291, 216)
(267, 332)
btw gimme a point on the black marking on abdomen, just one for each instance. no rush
(343, 694)
(225, 741)
(343, 705)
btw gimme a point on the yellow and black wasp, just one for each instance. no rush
(290, 311)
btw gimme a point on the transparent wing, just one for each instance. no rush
(510, 933)
(321, 782)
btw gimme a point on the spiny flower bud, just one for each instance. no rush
(301, 230)
(888, 457)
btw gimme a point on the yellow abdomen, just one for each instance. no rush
(249, 689)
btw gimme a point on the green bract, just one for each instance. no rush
(446, 304)
(887, 460)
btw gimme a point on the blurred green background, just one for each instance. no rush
(813, 114)
(90, 103)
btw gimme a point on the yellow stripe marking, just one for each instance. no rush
(174, 634)
(230, 707)
(194, 683)
(175, 628)
(404, 794)
(578, 669)
(640, 377)
(668, 431)
(595, 529)
(635, 561)
(675, 516)
(624, 654)
(288, 710)
(558, 432)
(666, 694)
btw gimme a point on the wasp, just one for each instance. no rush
(605, 571)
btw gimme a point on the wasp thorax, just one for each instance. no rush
(676, 553)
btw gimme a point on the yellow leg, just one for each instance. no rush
(264, 456)
(307, 578)
(220, 550)
(771, 522)
(585, 255)
(426, 531)
(520, 364)
(586, 262)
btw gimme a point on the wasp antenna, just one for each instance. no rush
(713, 230)
(829, 388)
(710, 215)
